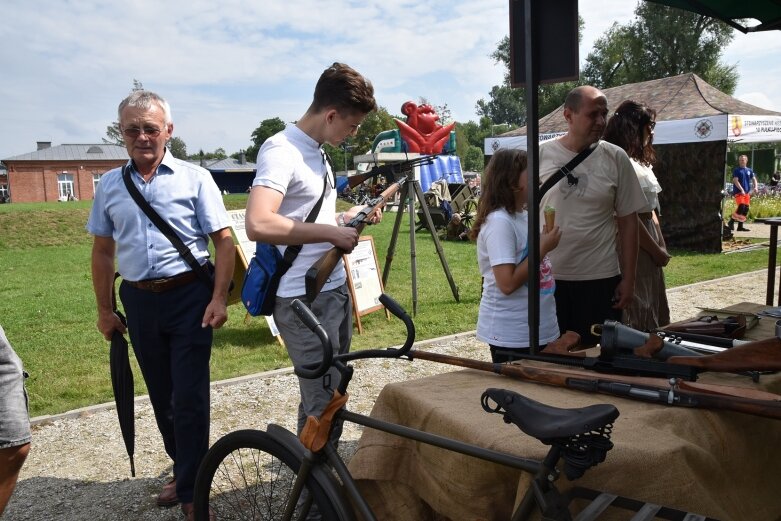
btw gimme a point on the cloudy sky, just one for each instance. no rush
(225, 66)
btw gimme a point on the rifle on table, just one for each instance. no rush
(630, 352)
(390, 170)
(672, 392)
(318, 273)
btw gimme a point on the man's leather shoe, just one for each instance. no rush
(743, 229)
(167, 497)
(189, 512)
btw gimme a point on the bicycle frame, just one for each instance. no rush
(544, 472)
(316, 451)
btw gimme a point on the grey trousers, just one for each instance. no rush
(334, 310)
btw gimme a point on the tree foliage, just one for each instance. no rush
(660, 42)
(177, 147)
(217, 154)
(506, 104)
(266, 129)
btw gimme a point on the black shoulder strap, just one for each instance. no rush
(292, 251)
(165, 228)
(566, 170)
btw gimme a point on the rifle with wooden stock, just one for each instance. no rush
(672, 392)
(390, 170)
(318, 273)
(624, 350)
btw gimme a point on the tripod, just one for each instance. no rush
(411, 192)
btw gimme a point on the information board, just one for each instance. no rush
(364, 279)
(245, 249)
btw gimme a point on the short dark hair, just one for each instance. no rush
(344, 89)
(574, 98)
(625, 129)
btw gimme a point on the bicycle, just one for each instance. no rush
(252, 474)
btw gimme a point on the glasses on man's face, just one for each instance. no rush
(134, 132)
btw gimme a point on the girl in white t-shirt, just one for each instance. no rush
(501, 231)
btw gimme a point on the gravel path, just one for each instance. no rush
(78, 470)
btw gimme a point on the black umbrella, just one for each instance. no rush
(122, 382)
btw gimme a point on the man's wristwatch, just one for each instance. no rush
(340, 219)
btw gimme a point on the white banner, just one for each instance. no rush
(734, 128)
(754, 129)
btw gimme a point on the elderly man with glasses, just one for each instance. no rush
(171, 311)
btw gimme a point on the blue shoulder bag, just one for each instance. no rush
(265, 271)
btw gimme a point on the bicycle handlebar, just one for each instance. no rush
(318, 369)
(309, 319)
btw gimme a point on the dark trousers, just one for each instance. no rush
(583, 303)
(173, 351)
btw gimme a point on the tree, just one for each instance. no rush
(113, 134)
(507, 104)
(474, 159)
(217, 154)
(266, 129)
(660, 42)
(177, 147)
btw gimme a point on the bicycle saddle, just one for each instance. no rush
(545, 422)
(582, 435)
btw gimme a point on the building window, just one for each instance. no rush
(95, 181)
(65, 186)
(4, 195)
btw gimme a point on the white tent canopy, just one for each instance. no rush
(688, 111)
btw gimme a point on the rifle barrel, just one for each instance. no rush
(390, 168)
(657, 390)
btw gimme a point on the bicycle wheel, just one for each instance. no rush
(248, 475)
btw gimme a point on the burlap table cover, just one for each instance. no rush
(722, 464)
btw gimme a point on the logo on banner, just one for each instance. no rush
(736, 125)
(703, 128)
(495, 145)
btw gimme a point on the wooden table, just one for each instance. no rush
(722, 464)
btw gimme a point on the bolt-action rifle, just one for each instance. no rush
(390, 171)
(627, 351)
(672, 392)
(317, 274)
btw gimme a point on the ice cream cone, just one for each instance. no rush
(550, 217)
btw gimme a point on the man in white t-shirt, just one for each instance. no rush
(593, 283)
(293, 173)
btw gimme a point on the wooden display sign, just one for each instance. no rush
(245, 249)
(363, 279)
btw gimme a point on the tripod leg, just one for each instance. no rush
(394, 235)
(433, 231)
(413, 256)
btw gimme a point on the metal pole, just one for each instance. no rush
(532, 150)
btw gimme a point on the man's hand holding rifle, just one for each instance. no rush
(317, 275)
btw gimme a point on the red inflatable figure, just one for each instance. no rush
(422, 131)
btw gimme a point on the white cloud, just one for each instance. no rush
(226, 66)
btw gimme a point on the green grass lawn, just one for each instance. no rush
(47, 305)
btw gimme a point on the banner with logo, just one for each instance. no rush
(722, 127)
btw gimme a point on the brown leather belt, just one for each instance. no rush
(164, 284)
